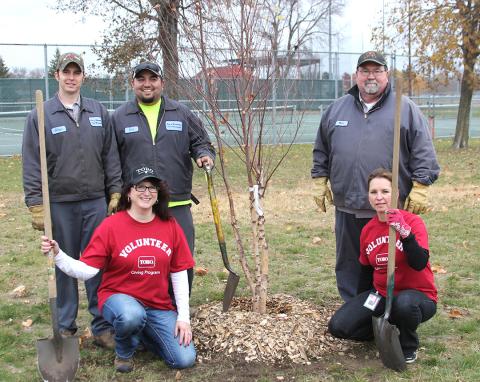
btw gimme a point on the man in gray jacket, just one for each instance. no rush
(164, 134)
(356, 137)
(83, 166)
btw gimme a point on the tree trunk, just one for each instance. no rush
(168, 41)
(463, 118)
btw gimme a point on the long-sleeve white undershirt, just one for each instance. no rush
(79, 270)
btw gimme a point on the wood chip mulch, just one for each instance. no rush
(292, 330)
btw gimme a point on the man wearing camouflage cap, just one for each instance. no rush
(83, 166)
(355, 137)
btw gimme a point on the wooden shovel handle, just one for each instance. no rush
(392, 234)
(47, 219)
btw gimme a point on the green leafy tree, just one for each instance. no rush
(445, 36)
(4, 71)
(52, 67)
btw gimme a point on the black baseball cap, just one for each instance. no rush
(372, 56)
(143, 172)
(147, 65)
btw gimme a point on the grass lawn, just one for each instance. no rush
(299, 265)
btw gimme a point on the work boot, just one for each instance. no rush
(123, 365)
(105, 340)
(66, 333)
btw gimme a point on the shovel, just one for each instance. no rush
(233, 278)
(386, 334)
(57, 357)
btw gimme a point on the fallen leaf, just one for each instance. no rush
(438, 269)
(316, 240)
(27, 323)
(201, 271)
(178, 376)
(455, 313)
(19, 291)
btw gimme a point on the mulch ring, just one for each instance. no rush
(292, 330)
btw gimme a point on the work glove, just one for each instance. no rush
(322, 192)
(396, 220)
(37, 217)
(416, 201)
(113, 204)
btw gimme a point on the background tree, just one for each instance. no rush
(4, 71)
(445, 36)
(137, 30)
(52, 66)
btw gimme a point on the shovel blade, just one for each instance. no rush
(58, 359)
(388, 344)
(232, 283)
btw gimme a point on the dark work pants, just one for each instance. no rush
(183, 215)
(409, 308)
(73, 225)
(347, 267)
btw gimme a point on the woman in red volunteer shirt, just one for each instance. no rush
(138, 249)
(415, 294)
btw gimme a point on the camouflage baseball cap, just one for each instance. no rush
(372, 56)
(68, 58)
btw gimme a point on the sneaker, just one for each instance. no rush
(123, 365)
(105, 340)
(411, 358)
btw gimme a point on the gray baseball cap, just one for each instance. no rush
(68, 58)
(143, 172)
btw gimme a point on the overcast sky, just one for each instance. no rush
(35, 22)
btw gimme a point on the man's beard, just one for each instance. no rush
(371, 87)
(147, 100)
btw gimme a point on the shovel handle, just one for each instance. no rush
(47, 219)
(216, 218)
(392, 234)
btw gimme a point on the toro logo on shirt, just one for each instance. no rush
(381, 260)
(146, 261)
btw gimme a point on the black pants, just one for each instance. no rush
(183, 216)
(347, 266)
(409, 308)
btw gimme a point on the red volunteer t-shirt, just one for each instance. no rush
(374, 252)
(137, 258)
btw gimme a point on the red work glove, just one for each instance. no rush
(395, 220)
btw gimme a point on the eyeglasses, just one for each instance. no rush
(376, 72)
(143, 188)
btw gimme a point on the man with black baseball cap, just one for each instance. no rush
(164, 133)
(355, 137)
(83, 167)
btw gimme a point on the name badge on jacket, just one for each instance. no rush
(173, 125)
(341, 123)
(95, 121)
(131, 129)
(58, 129)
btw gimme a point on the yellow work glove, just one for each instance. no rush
(417, 200)
(113, 204)
(37, 217)
(322, 192)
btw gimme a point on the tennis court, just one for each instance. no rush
(279, 127)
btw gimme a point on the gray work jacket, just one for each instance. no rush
(180, 137)
(82, 157)
(350, 144)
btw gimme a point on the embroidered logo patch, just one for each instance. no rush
(341, 123)
(58, 129)
(174, 125)
(95, 121)
(131, 129)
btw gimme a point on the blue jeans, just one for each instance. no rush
(135, 323)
